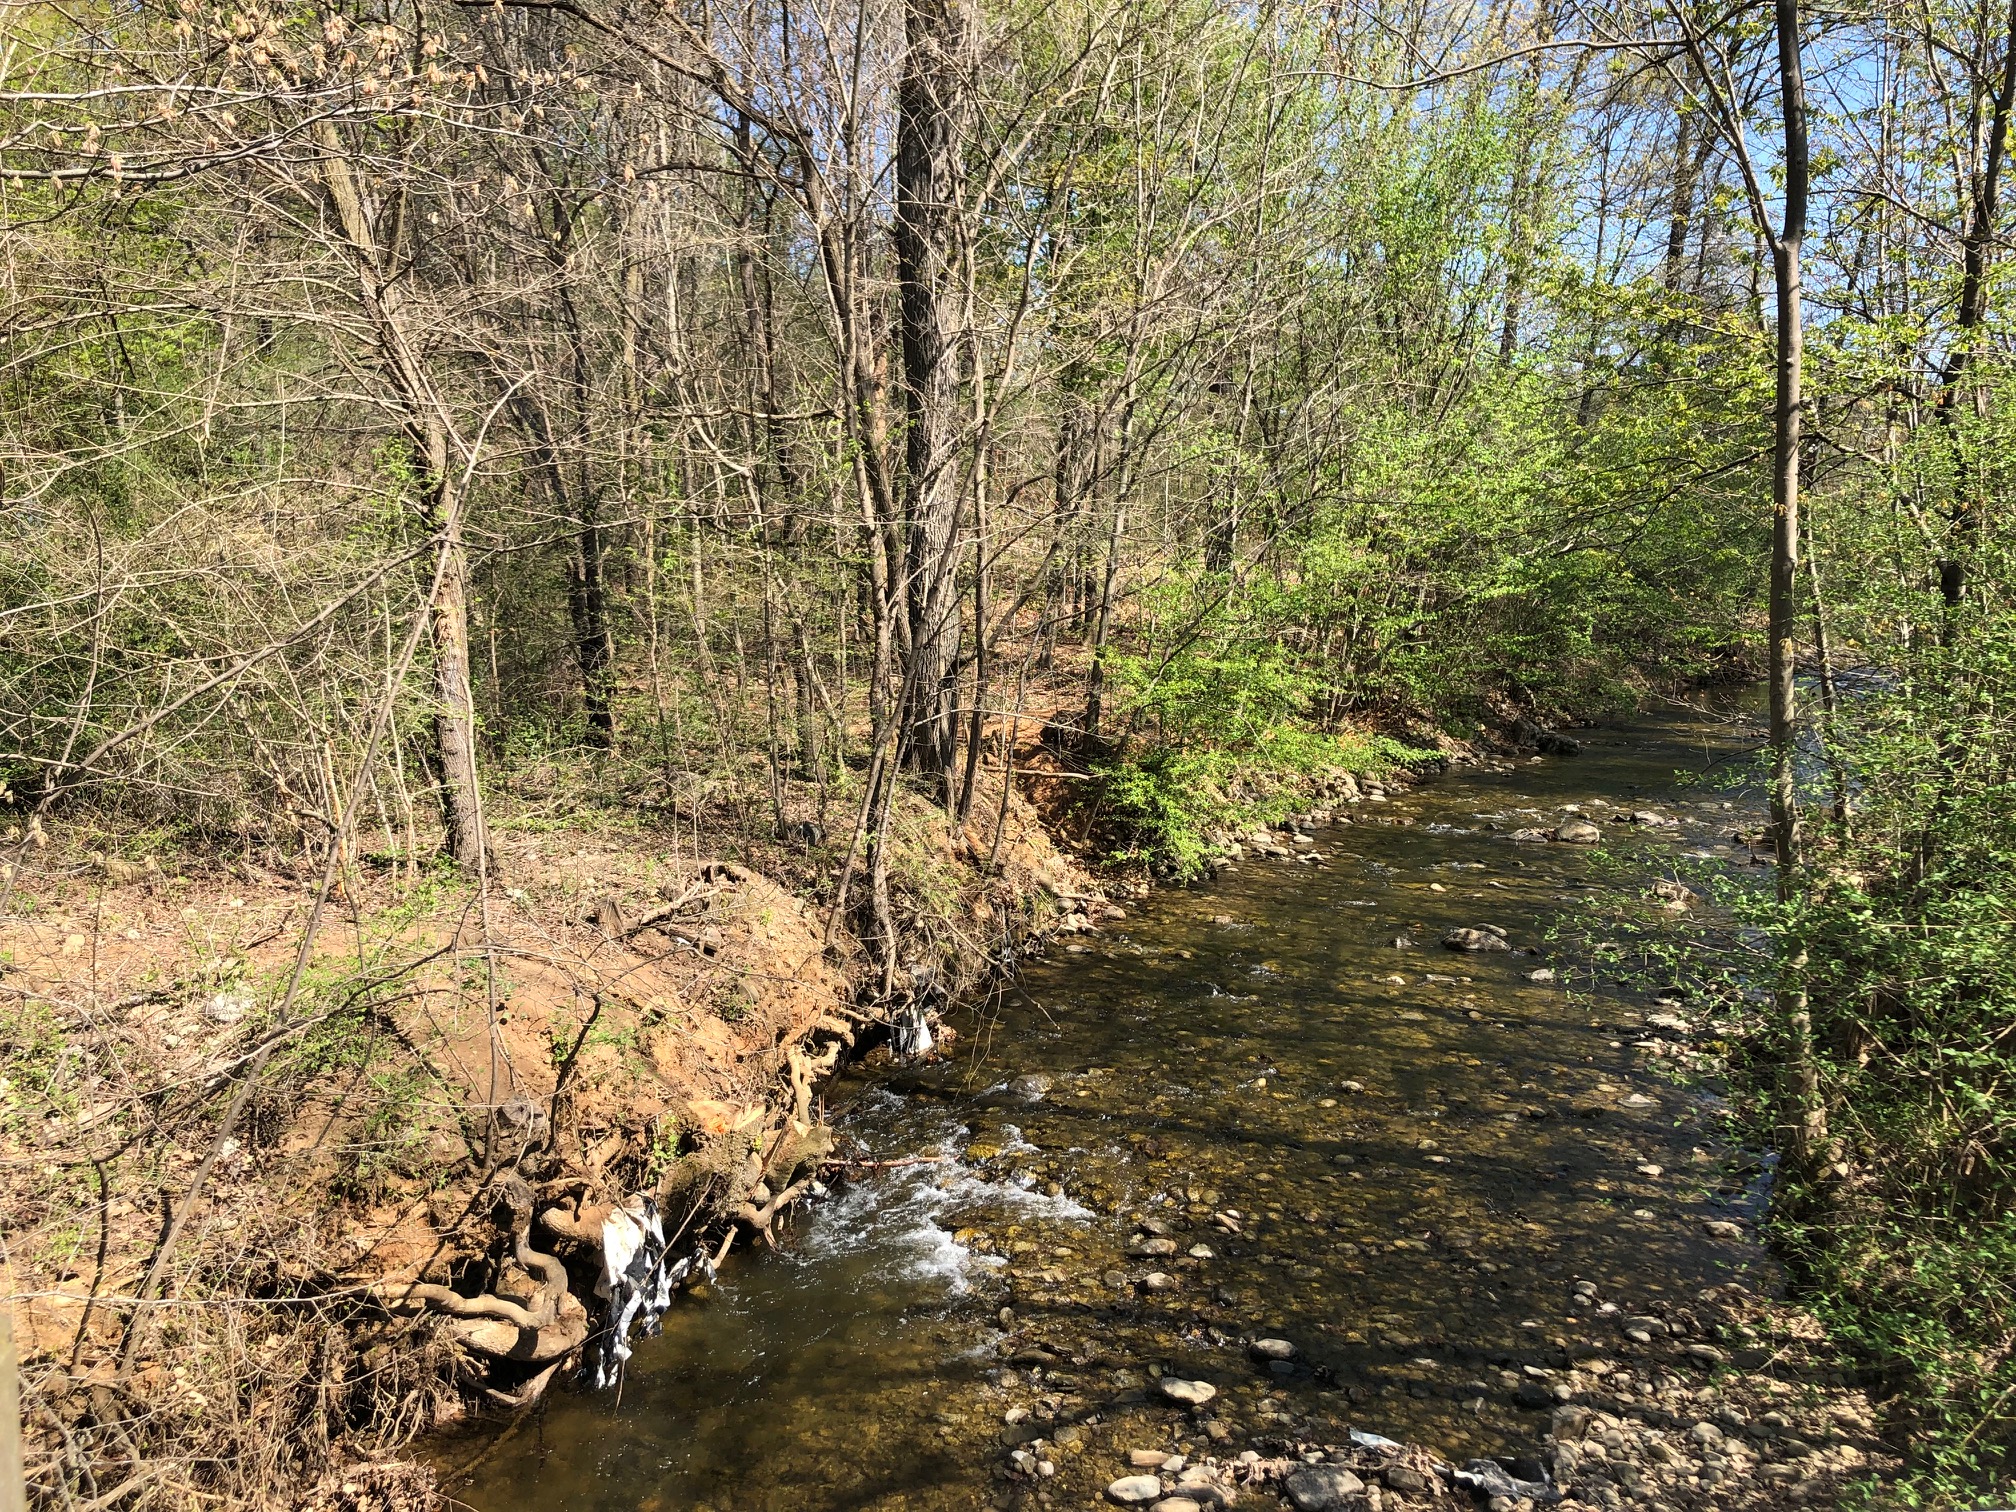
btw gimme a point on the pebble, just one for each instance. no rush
(1147, 1459)
(1134, 1490)
(1273, 1349)
(1177, 1504)
(1190, 1393)
(1570, 1423)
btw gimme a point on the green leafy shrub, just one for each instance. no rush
(1162, 807)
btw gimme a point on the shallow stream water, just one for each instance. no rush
(1417, 1155)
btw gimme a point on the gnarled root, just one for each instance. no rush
(552, 1327)
(525, 1395)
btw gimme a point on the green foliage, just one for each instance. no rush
(1172, 807)
(1906, 1232)
(387, 1142)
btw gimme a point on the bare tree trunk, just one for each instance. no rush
(1687, 160)
(1095, 683)
(1829, 702)
(455, 704)
(594, 636)
(927, 156)
(1976, 243)
(427, 423)
(1806, 1125)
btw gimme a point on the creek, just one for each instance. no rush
(1239, 1112)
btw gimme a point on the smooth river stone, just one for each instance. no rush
(1324, 1488)
(1190, 1393)
(1133, 1490)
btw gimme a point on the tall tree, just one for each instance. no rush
(931, 108)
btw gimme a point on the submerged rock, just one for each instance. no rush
(1578, 832)
(1677, 896)
(1323, 1488)
(1473, 940)
(1190, 1393)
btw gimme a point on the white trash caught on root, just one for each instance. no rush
(636, 1284)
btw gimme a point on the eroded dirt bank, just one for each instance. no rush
(271, 1213)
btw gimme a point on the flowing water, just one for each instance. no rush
(1416, 1153)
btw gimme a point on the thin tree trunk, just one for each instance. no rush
(927, 154)
(1829, 702)
(428, 426)
(1095, 683)
(455, 705)
(1976, 243)
(1806, 1127)
(1687, 161)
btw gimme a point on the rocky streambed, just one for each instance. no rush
(1332, 1181)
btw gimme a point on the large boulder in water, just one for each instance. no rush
(1473, 939)
(1539, 738)
(1578, 832)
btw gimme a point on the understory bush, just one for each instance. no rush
(1160, 807)
(1902, 1228)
